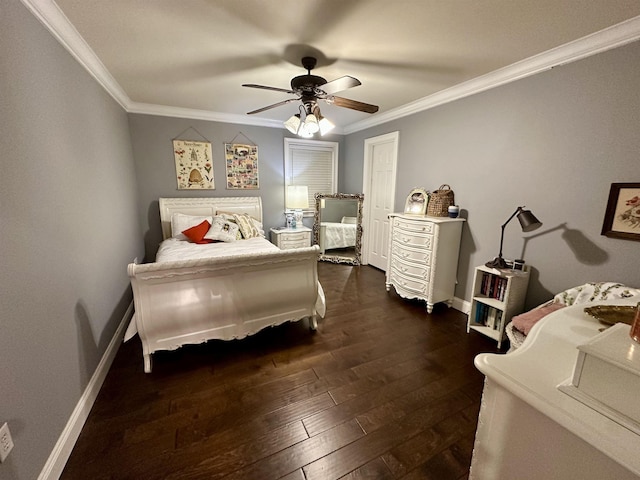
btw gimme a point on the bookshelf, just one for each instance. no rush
(498, 295)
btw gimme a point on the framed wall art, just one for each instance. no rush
(242, 166)
(416, 203)
(622, 218)
(194, 165)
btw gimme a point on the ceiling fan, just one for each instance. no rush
(311, 88)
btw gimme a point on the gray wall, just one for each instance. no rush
(553, 142)
(155, 166)
(69, 228)
(81, 181)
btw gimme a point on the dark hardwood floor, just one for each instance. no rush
(381, 391)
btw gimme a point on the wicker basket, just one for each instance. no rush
(439, 201)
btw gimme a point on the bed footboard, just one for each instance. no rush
(193, 301)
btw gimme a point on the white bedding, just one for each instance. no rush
(173, 249)
(338, 235)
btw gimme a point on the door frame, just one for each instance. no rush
(369, 144)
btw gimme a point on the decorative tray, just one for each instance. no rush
(612, 314)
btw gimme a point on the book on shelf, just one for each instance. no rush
(493, 286)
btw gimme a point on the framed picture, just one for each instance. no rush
(416, 203)
(242, 166)
(194, 165)
(622, 218)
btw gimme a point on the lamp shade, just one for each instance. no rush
(325, 125)
(297, 197)
(528, 221)
(293, 124)
(311, 123)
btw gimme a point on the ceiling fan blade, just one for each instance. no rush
(353, 104)
(284, 102)
(264, 87)
(340, 84)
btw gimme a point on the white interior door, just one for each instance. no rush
(380, 159)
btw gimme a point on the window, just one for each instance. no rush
(312, 163)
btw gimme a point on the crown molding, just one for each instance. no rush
(50, 15)
(607, 39)
(195, 114)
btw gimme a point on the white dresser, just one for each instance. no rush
(423, 257)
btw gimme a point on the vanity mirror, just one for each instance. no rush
(337, 227)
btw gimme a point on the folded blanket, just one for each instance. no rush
(525, 321)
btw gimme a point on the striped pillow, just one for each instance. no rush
(247, 227)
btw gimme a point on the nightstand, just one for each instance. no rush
(286, 238)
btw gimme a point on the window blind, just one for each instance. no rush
(314, 166)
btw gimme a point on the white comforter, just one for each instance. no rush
(173, 249)
(339, 235)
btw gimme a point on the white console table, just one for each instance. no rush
(529, 429)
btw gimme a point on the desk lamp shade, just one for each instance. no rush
(528, 223)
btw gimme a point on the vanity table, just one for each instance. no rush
(528, 428)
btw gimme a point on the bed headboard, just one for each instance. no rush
(206, 207)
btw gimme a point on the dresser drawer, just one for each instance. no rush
(408, 254)
(414, 226)
(417, 270)
(409, 284)
(301, 237)
(413, 239)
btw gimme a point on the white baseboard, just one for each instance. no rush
(62, 450)
(461, 305)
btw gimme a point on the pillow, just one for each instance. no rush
(196, 234)
(222, 230)
(181, 222)
(230, 218)
(525, 321)
(350, 220)
(247, 227)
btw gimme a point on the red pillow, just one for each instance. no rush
(196, 233)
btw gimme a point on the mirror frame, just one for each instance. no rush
(359, 197)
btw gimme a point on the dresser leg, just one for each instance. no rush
(388, 286)
(429, 307)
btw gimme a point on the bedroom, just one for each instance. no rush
(82, 172)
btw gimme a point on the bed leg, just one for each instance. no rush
(147, 363)
(313, 322)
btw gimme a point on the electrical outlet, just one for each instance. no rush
(6, 443)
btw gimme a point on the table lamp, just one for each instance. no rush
(297, 199)
(528, 223)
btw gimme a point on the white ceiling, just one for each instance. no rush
(190, 57)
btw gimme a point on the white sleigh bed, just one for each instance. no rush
(228, 296)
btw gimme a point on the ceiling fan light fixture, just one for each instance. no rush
(325, 125)
(311, 123)
(304, 132)
(293, 124)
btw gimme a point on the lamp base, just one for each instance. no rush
(497, 262)
(298, 215)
